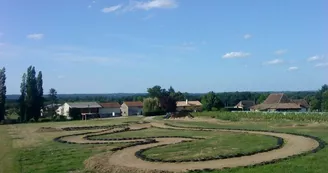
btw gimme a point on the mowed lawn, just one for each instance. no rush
(311, 163)
(214, 144)
(24, 150)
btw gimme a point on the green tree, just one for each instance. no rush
(151, 105)
(22, 104)
(211, 101)
(156, 91)
(40, 99)
(324, 104)
(314, 103)
(53, 99)
(261, 98)
(3, 91)
(32, 104)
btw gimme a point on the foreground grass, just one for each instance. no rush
(216, 143)
(58, 157)
(7, 152)
(23, 149)
(312, 163)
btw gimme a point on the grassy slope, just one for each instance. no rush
(312, 163)
(7, 152)
(22, 149)
(57, 157)
(217, 143)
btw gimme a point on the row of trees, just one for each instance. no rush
(31, 99)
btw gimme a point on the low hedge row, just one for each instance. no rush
(322, 144)
(91, 127)
(140, 154)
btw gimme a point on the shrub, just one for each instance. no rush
(45, 120)
(154, 113)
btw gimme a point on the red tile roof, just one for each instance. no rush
(276, 98)
(110, 105)
(134, 104)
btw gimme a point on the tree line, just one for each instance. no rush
(31, 102)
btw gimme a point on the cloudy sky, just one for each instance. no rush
(106, 46)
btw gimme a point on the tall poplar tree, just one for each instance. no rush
(31, 95)
(22, 104)
(3, 91)
(40, 99)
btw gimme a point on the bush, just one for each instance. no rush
(45, 120)
(32, 120)
(154, 113)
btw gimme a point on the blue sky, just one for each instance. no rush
(107, 46)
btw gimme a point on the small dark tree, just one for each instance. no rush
(3, 91)
(53, 99)
(40, 99)
(22, 105)
(168, 103)
(75, 114)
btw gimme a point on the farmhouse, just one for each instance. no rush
(245, 104)
(84, 108)
(279, 102)
(189, 106)
(109, 109)
(131, 108)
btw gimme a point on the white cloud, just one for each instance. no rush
(111, 9)
(236, 55)
(93, 1)
(293, 68)
(280, 52)
(154, 4)
(314, 58)
(35, 36)
(247, 36)
(60, 76)
(275, 61)
(322, 64)
(89, 6)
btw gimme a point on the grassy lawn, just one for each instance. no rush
(7, 152)
(23, 149)
(216, 143)
(58, 157)
(312, 163)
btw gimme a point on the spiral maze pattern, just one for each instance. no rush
(131, 158)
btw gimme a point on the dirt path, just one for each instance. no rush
(126, 160)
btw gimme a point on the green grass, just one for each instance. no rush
(312, 163)
(7, 152)
(216, 143)
(219, 144)
(57, 157)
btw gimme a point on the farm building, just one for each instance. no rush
(109, 109)
(281, 103)
(245, 104)
(84, 108)
(131, 108)
(189, 106)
